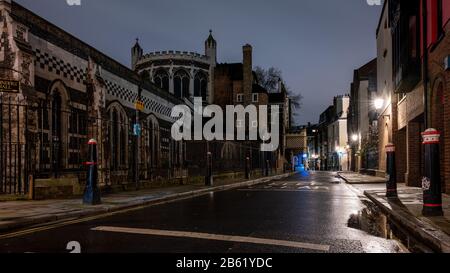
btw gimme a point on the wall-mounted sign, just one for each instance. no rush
(139, 105)
(9, 86)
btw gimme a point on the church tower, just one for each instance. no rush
(211, 52)
(136, 54)
(211, 49)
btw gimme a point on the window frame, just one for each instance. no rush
(255, 95)
(240, 97)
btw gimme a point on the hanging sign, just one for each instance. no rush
(9, 86)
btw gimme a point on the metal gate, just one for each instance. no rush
(14, 151)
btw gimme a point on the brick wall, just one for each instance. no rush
(440, 102)
(401, 154)
(223, 87)
(414, 153)
(237, 89)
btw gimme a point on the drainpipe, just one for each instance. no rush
(425, 59)
(431, 182)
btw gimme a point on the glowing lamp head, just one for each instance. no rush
(355, 137)
(379, 103)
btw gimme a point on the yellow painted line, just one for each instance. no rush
(214, 237)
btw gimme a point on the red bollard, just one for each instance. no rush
(431, 182)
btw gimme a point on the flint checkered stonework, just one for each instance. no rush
(125, 94)
(59, 67)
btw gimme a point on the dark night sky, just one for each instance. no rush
(316, 43)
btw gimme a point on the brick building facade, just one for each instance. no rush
(237, 84)
(401, 85)
(362, 128)
(439, 78)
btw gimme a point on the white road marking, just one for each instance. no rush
(214, 237)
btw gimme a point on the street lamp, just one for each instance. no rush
(355, 137)
(379, 103)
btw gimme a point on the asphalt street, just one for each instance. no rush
(307, 212)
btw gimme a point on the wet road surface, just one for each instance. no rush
(303, 213)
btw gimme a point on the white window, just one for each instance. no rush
(240, 98)
(255, 97)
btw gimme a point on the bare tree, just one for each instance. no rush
(269, 79)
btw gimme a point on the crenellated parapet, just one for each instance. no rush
(171, 54)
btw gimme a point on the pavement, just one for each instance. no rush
(357, 178)
(307, 212)
(406, 210)
(23, 214)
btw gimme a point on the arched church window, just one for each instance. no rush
(118, 137)
(181, 84)
(56, 116)
(114, 140)
(153, 144)
(161, 79)
(57, 155)
(201, 85)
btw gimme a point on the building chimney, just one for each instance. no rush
(248, 73)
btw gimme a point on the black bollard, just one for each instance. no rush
(431, 182)
(391, 182)
(267, 168)
(92, 192)
(209, 174)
